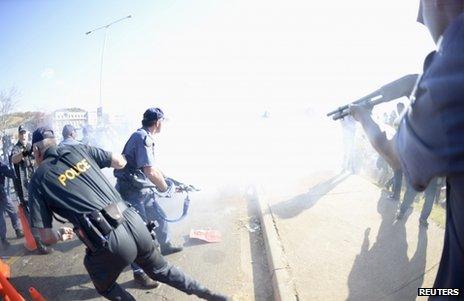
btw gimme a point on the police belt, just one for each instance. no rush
(94, 227)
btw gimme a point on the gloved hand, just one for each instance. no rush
(169, 191)
(27, 151)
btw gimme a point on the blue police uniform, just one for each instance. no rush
(430, 143)
(140, 152)
(137, 189)
(6, 205)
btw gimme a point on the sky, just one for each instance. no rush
(213, 66)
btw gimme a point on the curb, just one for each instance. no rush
(282, 283)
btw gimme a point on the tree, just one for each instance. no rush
(8, 100)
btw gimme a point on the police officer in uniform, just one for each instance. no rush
(137, 181)
(23, 163)
(69, 182)
(69, 135)
(430, 138)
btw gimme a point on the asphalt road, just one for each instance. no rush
(236, 266)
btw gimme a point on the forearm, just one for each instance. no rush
(385, 147)
(118, 161)
(156, 177)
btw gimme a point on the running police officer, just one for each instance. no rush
(69, 182)
(430, 139)
(137, 181)
(23, 163)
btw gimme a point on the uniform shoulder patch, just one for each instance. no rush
(148, 141)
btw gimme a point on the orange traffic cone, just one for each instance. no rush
(29, 241)
(8, 290)
(35, 295)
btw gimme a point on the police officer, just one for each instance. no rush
(69, 135)
(23, 163)
(7, 206)
(69, 182)
(137, 181)
(430, 139)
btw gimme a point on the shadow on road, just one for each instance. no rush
(384, 272)
(296, 205)
(58, 288)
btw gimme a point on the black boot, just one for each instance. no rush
(212, 296)
(43, 249)
(170, 248)
(144, 281)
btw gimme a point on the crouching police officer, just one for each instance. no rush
(69, 182)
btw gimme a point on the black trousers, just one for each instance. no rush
(131, 242)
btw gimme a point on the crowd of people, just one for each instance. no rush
(119, 225)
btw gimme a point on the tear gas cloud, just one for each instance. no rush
(246, 85)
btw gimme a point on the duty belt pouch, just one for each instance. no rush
(113, 214)
(99, 221)
(89, 234)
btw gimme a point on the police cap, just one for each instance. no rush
(42, 133)
(22, 129)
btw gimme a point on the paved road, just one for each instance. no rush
(236, 266)
(341, 241)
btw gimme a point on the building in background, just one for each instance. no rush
(74, 116)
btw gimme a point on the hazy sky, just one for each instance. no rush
(255, 54)
(214, 67)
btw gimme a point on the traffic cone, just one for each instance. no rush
(5, 270)
(8, 290)
(29, 241)
(35, 295)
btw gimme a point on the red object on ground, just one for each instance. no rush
(29, 241)
(206, 235)
(35, 295)
(7, 290)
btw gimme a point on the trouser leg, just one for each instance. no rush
(2, 219)
(155, 212)
(13, 214)
(154, 264)
(105, 265)
(408, 198)
(429, 194)
(397, 183)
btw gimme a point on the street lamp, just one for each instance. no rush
(105, 27)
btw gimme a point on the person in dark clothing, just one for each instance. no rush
(23, 163)
(430, 139)
(7, 206)
(69, 182)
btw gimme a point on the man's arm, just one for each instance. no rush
(118, 161)
(156, 177)
(18, 155)
(50, 236)
(385, 147)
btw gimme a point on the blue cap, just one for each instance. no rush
(153, 114)
(42, 133)
(68, 129)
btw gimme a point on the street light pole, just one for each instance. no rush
(105, 27)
